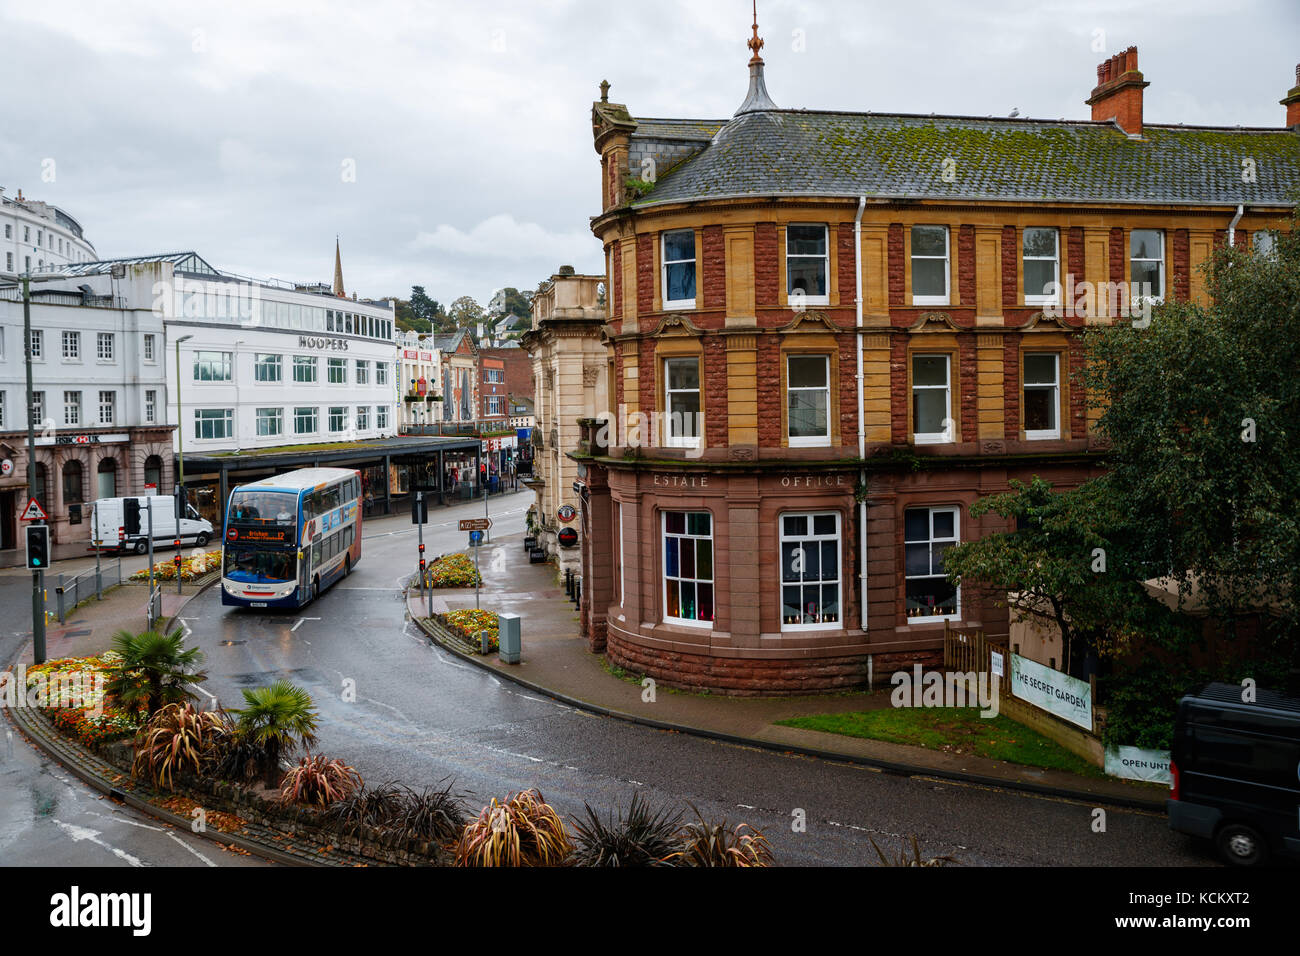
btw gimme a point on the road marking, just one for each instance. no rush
(300, 620)
(185, 624)
(85, 833)
(191, 849)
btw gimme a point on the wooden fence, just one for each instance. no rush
(966, 651)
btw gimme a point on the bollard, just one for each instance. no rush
(483, 641)
(577, 592)
(59, 591)
(568, 583)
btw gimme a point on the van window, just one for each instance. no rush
(1251, 746)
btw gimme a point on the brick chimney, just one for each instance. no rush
(1292, 101)
(1118, 95)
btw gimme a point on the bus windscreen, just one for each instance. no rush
(256, 565)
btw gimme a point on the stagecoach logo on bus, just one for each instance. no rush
(290, 537)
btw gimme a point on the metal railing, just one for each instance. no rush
(71, 591)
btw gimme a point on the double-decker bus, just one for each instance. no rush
(290, 537)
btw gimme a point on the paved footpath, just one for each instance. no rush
(556, 661)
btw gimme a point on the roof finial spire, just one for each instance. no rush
(755, 42)
(338, 269)
(756, 99)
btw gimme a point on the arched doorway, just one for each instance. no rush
(73, 491)
(153, 473)
(106, 486)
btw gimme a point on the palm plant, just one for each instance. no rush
(155, 670)
(279, 719)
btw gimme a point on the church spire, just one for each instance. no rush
(756, 99)
(338, 270)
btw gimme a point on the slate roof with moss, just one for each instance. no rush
(808, 153)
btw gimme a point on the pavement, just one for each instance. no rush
(556, 662)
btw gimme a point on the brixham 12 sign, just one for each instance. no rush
(1060, 694)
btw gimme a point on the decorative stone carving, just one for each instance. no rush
(589, 375)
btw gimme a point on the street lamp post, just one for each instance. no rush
(38, 582)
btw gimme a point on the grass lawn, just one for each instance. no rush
(957, 730)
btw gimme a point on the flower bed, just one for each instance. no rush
(467, 623)
(71, 692)
(453, 571)
(192, 568)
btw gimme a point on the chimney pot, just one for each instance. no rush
(1118, 95)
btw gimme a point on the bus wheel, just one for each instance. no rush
(141, 546)
(1241, 845)
(202, 539)
(315, 588)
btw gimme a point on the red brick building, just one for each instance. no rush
(831, 333)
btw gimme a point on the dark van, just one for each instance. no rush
(1236, 773)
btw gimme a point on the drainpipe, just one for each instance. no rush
(1232, 226)
(862, 425)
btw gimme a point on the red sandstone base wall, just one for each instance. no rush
(756, 677)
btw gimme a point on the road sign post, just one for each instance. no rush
(419, 530)
(34, 512)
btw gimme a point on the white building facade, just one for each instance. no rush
(263, 366)
(36, 237)
(99, 400)
(419, 380)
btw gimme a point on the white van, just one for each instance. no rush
(108, 524)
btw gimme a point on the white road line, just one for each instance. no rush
(84, 833)
(191, 849)
(300, 620)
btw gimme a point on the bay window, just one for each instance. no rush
(927, 534)
(688, 567)
(810, 571)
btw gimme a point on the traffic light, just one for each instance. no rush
(420, 510)
(131, 515)
(38, 547)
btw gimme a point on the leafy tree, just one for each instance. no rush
(1200, 410)
(155, 670)
(278, 720)
(1066, 564)
(465, 313)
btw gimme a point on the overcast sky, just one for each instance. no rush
(231, 128)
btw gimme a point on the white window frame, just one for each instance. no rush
(72, 407)
(665, 263)
(269, 415)
(362, 371)
(381, 373)
(148, 347)
(70, 345)
(336, 363)
(838, 582)
(683, 441)
(306, 362)
(342, 416)
(807, 441)
(622, 562)
(946, 436)
(809, 298)
(36, 345)
(1039, 298)
(224, 360)
(226, 419)
(931, 541)
(1040, 434)
(107, 406)
(104, 346)
(381, 417)
(946, 298)
(268, 368)
(363, 418)
(150, 406)
(1134, 292)
(298, 416)
(687, 536)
